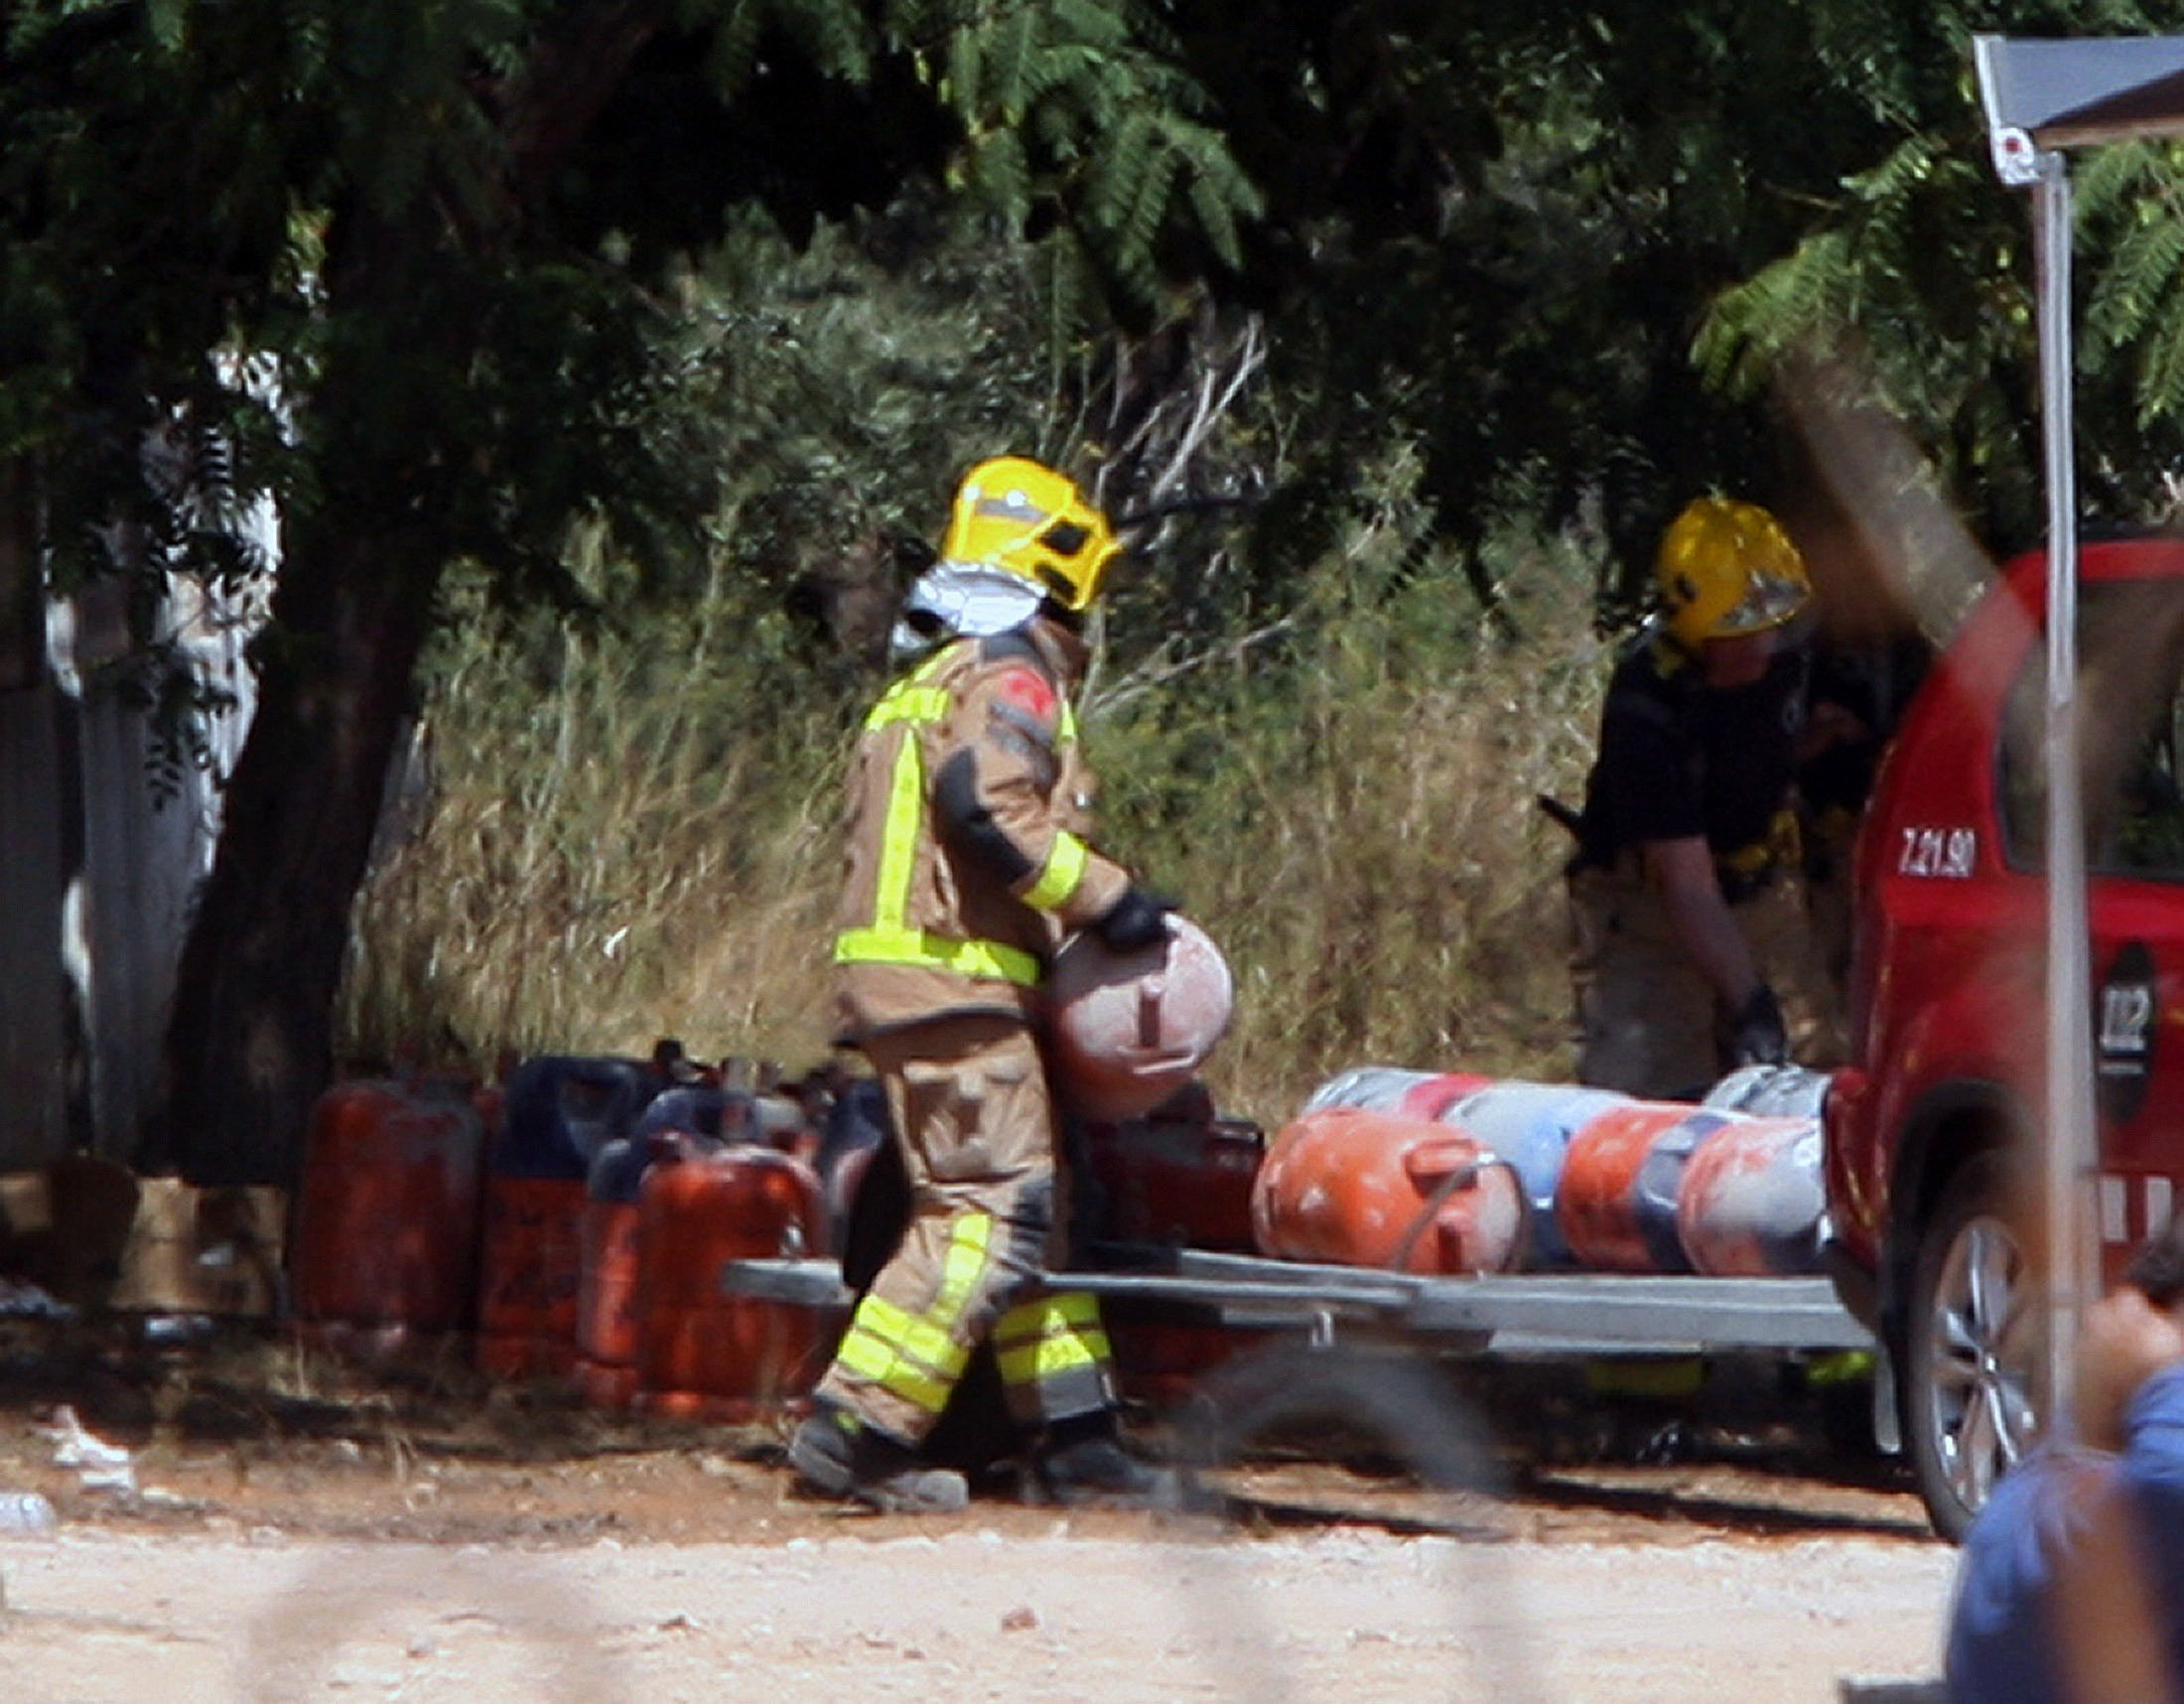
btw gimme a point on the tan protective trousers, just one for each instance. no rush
(1647, 1023)
(975, 1120)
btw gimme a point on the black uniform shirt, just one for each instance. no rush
(1678, 759)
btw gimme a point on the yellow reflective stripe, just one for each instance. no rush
(873, 1360)
(1064, 870)
(920, 1336)
(889, 940)
(913, 1356)
(968, 1246)
(904, 701)
(1050, 1358)
(888, 1346)
(898, 838)
(1065, 730)
(907, 703)
(983, 960)
(1048, 1313)
(1050, 1336)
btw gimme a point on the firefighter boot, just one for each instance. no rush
(837, 1455)
(1082, 1461)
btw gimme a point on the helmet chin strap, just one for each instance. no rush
(953, 600)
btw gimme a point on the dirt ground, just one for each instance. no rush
(299, 1530)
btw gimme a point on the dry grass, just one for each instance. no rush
(1371, 859)
(639, 839)
(640, 846)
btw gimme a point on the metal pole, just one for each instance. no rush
(2069, 1157)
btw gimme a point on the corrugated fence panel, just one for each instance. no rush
(33, 1108)
(144, 850)
(116, 948)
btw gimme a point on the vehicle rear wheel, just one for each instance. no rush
(1974, 1350)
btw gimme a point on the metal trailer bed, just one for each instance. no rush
(1576, 1312)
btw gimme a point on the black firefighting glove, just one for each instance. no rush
(1757, 1033)
(1136, 919)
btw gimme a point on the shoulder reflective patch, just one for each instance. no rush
(1027, 689)
(1031, 745)
(1022, 730)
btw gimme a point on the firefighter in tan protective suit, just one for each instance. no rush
(1683, 890)
(967, 865)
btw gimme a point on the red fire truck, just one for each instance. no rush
(1932, 1182)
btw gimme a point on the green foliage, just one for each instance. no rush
(846, 394)
(165, 158)
(1107, 136)
(1917, 261)
(2132, 202)
(1348, 808)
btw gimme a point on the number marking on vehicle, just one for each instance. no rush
(2133, 1206)
(1947, 853)
(2126, 1019)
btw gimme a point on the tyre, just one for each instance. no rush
(1974, 1350)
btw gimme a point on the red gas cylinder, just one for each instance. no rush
(1161, 1352)
(1375, 1188)
(385, 1248)
(558, 1112)
(1183, 1181)
(1616, 1200)
(528, 1275)
(1126, 1030)
(1752, 1200)
(605, 1372)
(702, 1354)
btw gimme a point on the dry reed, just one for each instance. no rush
(638, 839)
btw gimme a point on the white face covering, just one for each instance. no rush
(953, 600)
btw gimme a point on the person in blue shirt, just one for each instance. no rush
(2071, 1587)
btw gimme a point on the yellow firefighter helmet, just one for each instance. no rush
(1727, 568)
(1025, 518)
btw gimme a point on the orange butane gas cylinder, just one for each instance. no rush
(385, 1248)
(606, 1267)
(1615, 1202)
(606, 1370)
(1752, 1201)
(527, 1276)
(703, 1353)
(1375, 1188)
(558, 1112)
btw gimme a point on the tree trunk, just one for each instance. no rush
(250, 1042)
(249, 1046)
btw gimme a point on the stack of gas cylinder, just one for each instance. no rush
(570, 1222)
(1429, 1172)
